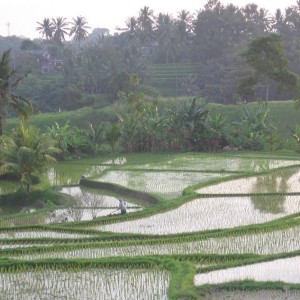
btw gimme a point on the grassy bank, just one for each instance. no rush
(283, 114)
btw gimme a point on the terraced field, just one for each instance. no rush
(198, 227)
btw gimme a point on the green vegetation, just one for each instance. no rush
(25, 152)
(199, 204)
(32, 247)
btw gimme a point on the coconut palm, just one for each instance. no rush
(7, 98)
(146, 22)
(183, 30)
(165, 35)
(25, 152)
(79, 29)
(131, 29)
(60, 29)
(46, 28)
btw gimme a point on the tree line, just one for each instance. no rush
(204, 48)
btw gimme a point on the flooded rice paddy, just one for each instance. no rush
(166, 184)
(254, 200)
(285, 270)
(275, 242)
(212, 213)
(283, 181)
(103, 284)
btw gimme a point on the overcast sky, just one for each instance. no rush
(20, 17)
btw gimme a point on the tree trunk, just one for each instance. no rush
(267, 91)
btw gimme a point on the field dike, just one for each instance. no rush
(237, 216)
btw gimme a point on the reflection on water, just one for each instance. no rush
(70, 173)
(88, 204)
(272, 204)
(116, 161)
(88, 197)
(272, 183)
(284, 270)
(83, 214)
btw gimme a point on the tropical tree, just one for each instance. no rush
(46, 28)
(183, 26)
(112, 135)
(60, 29)
(9, 79)
(190, 124)
(255, 130)
(258, 20)
(131, 30)
(146, 22)
(79, 29)
(25, 152)
(131, 118)
(266, 56)
(96, 136)
(165, 36)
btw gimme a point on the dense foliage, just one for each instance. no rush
(192, 53)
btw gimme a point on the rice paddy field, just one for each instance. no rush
(198, 226)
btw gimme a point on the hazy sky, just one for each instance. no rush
(23, 15)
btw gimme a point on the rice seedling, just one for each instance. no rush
(7, 187)
(274, 242)
(179, 229)
(211, 213)
(39, 234)
(85, 284)
(16, 246)
(285, 270)
(217, 294)
(29, 218)
(206, 162)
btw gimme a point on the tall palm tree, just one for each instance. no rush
(165, 32)
(146, 22)
(60, 29)
(131, 29)
(183, 30)
(279, 24)
(46, 28)
(7, 98)
(25, 152)
(79, 29)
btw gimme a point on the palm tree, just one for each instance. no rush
(46, 28)
(131, 29)
(27, 151)
(183, 30)
(279, 24)
(165, 31)
(7, 80)
(146, 21)
(79, 29)
(60, 29)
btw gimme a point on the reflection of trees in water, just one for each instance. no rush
(85, 203)
(276, 182)
(85, 199)
(269, 203)
(59, 176)
(260, 165)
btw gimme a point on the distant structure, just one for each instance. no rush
(99, 33)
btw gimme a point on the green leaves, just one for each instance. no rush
(266, 56)
(26, 151)
(7, 98)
